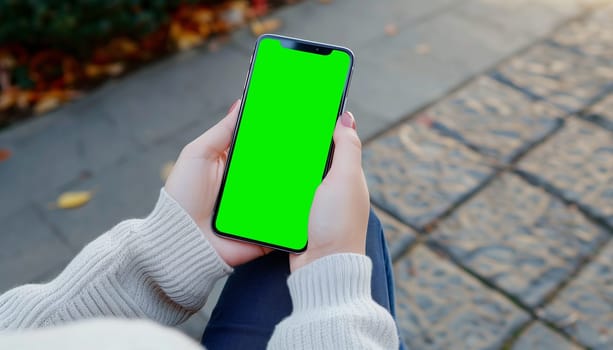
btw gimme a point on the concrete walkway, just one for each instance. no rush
(488, 136)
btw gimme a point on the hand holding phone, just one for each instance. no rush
(194, 184)
(281, 149)
(339, 215)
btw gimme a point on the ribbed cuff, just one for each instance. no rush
(331, 281)
(187, 266)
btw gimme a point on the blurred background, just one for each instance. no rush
(487, 129)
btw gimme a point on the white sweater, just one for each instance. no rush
(162, 268)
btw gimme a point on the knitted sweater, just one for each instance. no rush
(162, 268)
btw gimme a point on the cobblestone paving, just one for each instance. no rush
(592, 36)
(602, 113)
(417, 174)
(398, 235)
(578, 163)
(560, 76)
(518, 237)
(495, 119)
(584, 309)
(441, 307)
(539, 337)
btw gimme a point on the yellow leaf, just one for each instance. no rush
(115, 69)
(72, 200)
(46, 104)
(391, 29)
(166, 170)
(188, 40)
(8, 98)
(93, 70)
(266, 26)
(423, 49)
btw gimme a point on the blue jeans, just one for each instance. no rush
(255, 298)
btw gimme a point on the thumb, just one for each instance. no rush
(216, 140)
(347, 157)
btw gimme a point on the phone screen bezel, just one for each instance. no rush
(297, 44)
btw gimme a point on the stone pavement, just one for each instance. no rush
(488, 129)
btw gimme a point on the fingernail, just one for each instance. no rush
(234, 105)
(347, 120)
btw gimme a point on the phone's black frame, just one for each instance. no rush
(296, 44)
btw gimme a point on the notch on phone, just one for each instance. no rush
(306, 47)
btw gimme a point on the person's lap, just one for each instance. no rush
(255, 297)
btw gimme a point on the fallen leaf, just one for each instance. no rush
(391, 29)
(5, 154)
(125, 46)
(235, 14)
(5, 78)
(166, 170)
(268, 25)
(93, 71)
(259, 7)
(115, 69)
(47, 103)
(24, 99)
(8, 98)
(7, 60)
(423, 49)
(188, 40)
(72, 200)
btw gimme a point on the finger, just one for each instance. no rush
(347, 158)
(215, 141)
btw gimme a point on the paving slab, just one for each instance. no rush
(164, 98)
(493, 118)
(417, 174)
(398, 235)
(46, 157)
(591, 36)
(30, 249)
(537, 337)
(125, 190)
(441, 307)
(351, 23)
(560, 76)
(128, 190)
(602, 113)
(576, 163)
(118, 119)
(584, 308)
(520, 238)
(527, 19)
(397, 75)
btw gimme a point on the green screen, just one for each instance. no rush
(282, 144)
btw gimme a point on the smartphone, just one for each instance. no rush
(281, 149)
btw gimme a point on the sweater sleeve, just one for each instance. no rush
(160, 267)
(333, 308)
